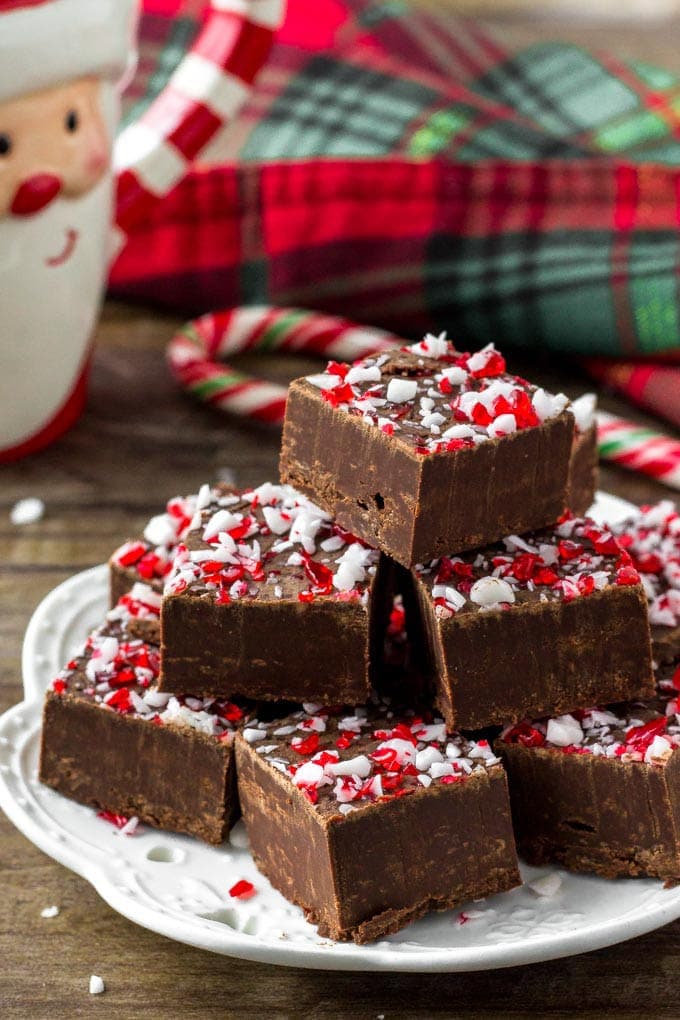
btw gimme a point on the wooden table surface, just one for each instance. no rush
(140, 442)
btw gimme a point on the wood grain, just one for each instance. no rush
(140, 442)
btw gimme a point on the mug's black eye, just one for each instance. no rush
(5, 144)
(72, 120)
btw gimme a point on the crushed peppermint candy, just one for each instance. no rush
(436, 399)
(344, 758)
(647, 732)
(573, 559)
(242, 890)
(27, 511)
(269, 543)
(651, 537)
(49, 911)
(97, 985)
(119, 673)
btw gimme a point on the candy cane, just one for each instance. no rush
(194, 352)
(204, 93)
(639, 449)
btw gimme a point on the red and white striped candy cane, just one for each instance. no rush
(204, 93)
(195, 353)
(639, 449)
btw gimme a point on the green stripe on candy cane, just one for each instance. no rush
(194, 353)
(639, 449)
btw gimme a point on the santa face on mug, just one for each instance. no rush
(55, 202)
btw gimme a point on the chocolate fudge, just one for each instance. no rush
(534, 625)
(113, 741)
(652, 538)
(428, 451)
(583, 467)
(268, 598)
(368, 818)
(148, 559)
(138, 611)
(599, 790)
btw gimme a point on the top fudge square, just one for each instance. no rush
(428, 451)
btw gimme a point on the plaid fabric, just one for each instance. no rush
(405, 166)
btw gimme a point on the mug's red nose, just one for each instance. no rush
(35, 193)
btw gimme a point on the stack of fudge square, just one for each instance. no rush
(408, 658)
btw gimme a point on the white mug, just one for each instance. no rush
(62, 66)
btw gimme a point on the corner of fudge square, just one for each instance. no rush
(598, 790)
(111, 740)
(368, 817)
(534, 625)
(428, 451)
(270, 599)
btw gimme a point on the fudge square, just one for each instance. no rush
(652, 538)
(113, 741)
(599, 790)
(428, 451)
(367, 818)
(534, 625)
(268, 598)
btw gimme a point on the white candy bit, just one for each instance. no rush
(548, 405)
(458, 432)
(156, 699)
(311, 707)
(221, 520)
(479, 359)
(130, 826)
(49, 911)
(278, 591)
(503, 425)
(27, 511)
(97, 985)
(404, 749)
(564, 731)
(359, 766)
(309, 774)
(430, 732)
(583, 409)
(161, 530)
(277, 522)
(428, 757)
(441, 768)
(204, 496)
(453, 750)
(252, 735)
(659, 749)
(332, 544)
(424, 779)
(360, 373)
(324, 380)
(431, 346)
(490, 591)
(547, 885)
(456, 375)
(401, 390)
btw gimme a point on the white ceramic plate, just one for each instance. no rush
(178, 887)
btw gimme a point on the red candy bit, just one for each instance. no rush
(604, 542)
(222, 598)
(524, 734)
(241, 530)
(675, 679)
(403, 732)
(242, 890)
(640, 737)
(586, 584)
(124, 676)
(648, 564)
(480, 415)
(455, 778)
(568, 550)
(151, 566)
(319, 574)
(544, 575)
(523, 566)
(495, 365)
(305, 596)
(311, 793)
(345, 739)
(627, 575)
(387, 428)
(120, 701)
(59, 686)
(444, 385)
(120, 821)
(227, 710)
(337, 368)
(523, 410)
(129, 554)
(343, 394)
(305, 745)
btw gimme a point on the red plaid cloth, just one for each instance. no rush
(405, 166)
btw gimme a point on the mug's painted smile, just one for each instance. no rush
(68, 249)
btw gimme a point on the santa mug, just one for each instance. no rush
(61, 67)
